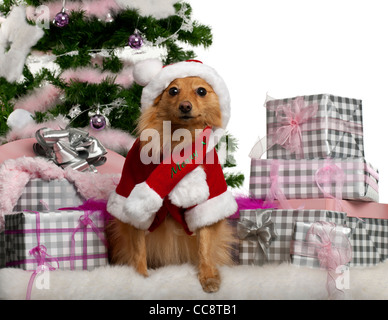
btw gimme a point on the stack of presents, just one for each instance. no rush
(320, 200)
(50, 218)
(49, 228)
(320, 194)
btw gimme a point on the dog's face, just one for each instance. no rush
(189, 103)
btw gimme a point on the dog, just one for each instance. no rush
(188, 103)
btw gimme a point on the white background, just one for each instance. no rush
(288, 48)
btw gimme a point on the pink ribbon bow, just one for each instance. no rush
(275, 191)
(328, 175)
(291, 117)
(333, 250)
(84, 222)
(40, 254)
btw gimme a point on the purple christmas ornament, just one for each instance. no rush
(61, 19)
(135, 41)
(98, 122)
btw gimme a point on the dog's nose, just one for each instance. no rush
(185, 107)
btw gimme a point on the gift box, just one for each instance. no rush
(369, 239)
(274, 179)
(314, 126)
(40, 195)
(352, 208)
(65, 239)
(2, 250)
(313, 244)
(368, 222)
(265, 234)
(324, 245)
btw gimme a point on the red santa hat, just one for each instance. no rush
(156, 78)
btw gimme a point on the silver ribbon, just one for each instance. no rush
(262, 231)
(70, 147)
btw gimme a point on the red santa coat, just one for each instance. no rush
(193, 194)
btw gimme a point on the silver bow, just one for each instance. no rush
(262, 231)
(70, 147)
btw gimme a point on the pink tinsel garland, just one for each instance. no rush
(93, 205)
(44, 98)
(97, 8)
(249, 203)
(15, 174)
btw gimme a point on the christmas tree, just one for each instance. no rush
(69, 64)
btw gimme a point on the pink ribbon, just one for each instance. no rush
(40, 254)
(332, 248)
(291, 117)
(328, 175)
(84, 223)
(275, 192)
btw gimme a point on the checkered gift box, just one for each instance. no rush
(313, 178)
(278, 250)
(305, 246)
(315, 126)
(73, 239)
(369, 240)
(2, 249)
(39, 194)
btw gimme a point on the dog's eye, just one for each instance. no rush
(201, 92)
(173, 91)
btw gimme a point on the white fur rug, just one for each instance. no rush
(180, 282)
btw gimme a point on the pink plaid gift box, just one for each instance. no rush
(275, 179)
(314, 126)
(64, 239)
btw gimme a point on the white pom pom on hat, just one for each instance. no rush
(155, 78)
(145, 70)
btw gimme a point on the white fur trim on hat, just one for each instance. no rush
(145, 70)
(148, 73)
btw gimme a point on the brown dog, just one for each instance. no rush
(189, 103)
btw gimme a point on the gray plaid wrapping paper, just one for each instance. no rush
(2, 249)
(296, 179)
(368, 236)
(54, 193)
(369, 239)
(279, 249)
(56, 230)
(335, 131)
(305, 254)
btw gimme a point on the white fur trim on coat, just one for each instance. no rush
(141, 206)
(115, 206)
(211, 211)
(138, 209)
(191, 190)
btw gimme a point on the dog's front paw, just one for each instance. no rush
(210, 283)
(142, 269)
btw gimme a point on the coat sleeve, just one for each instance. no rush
(132, 180)
(128, 178)
(220, 204)
(147, 196)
